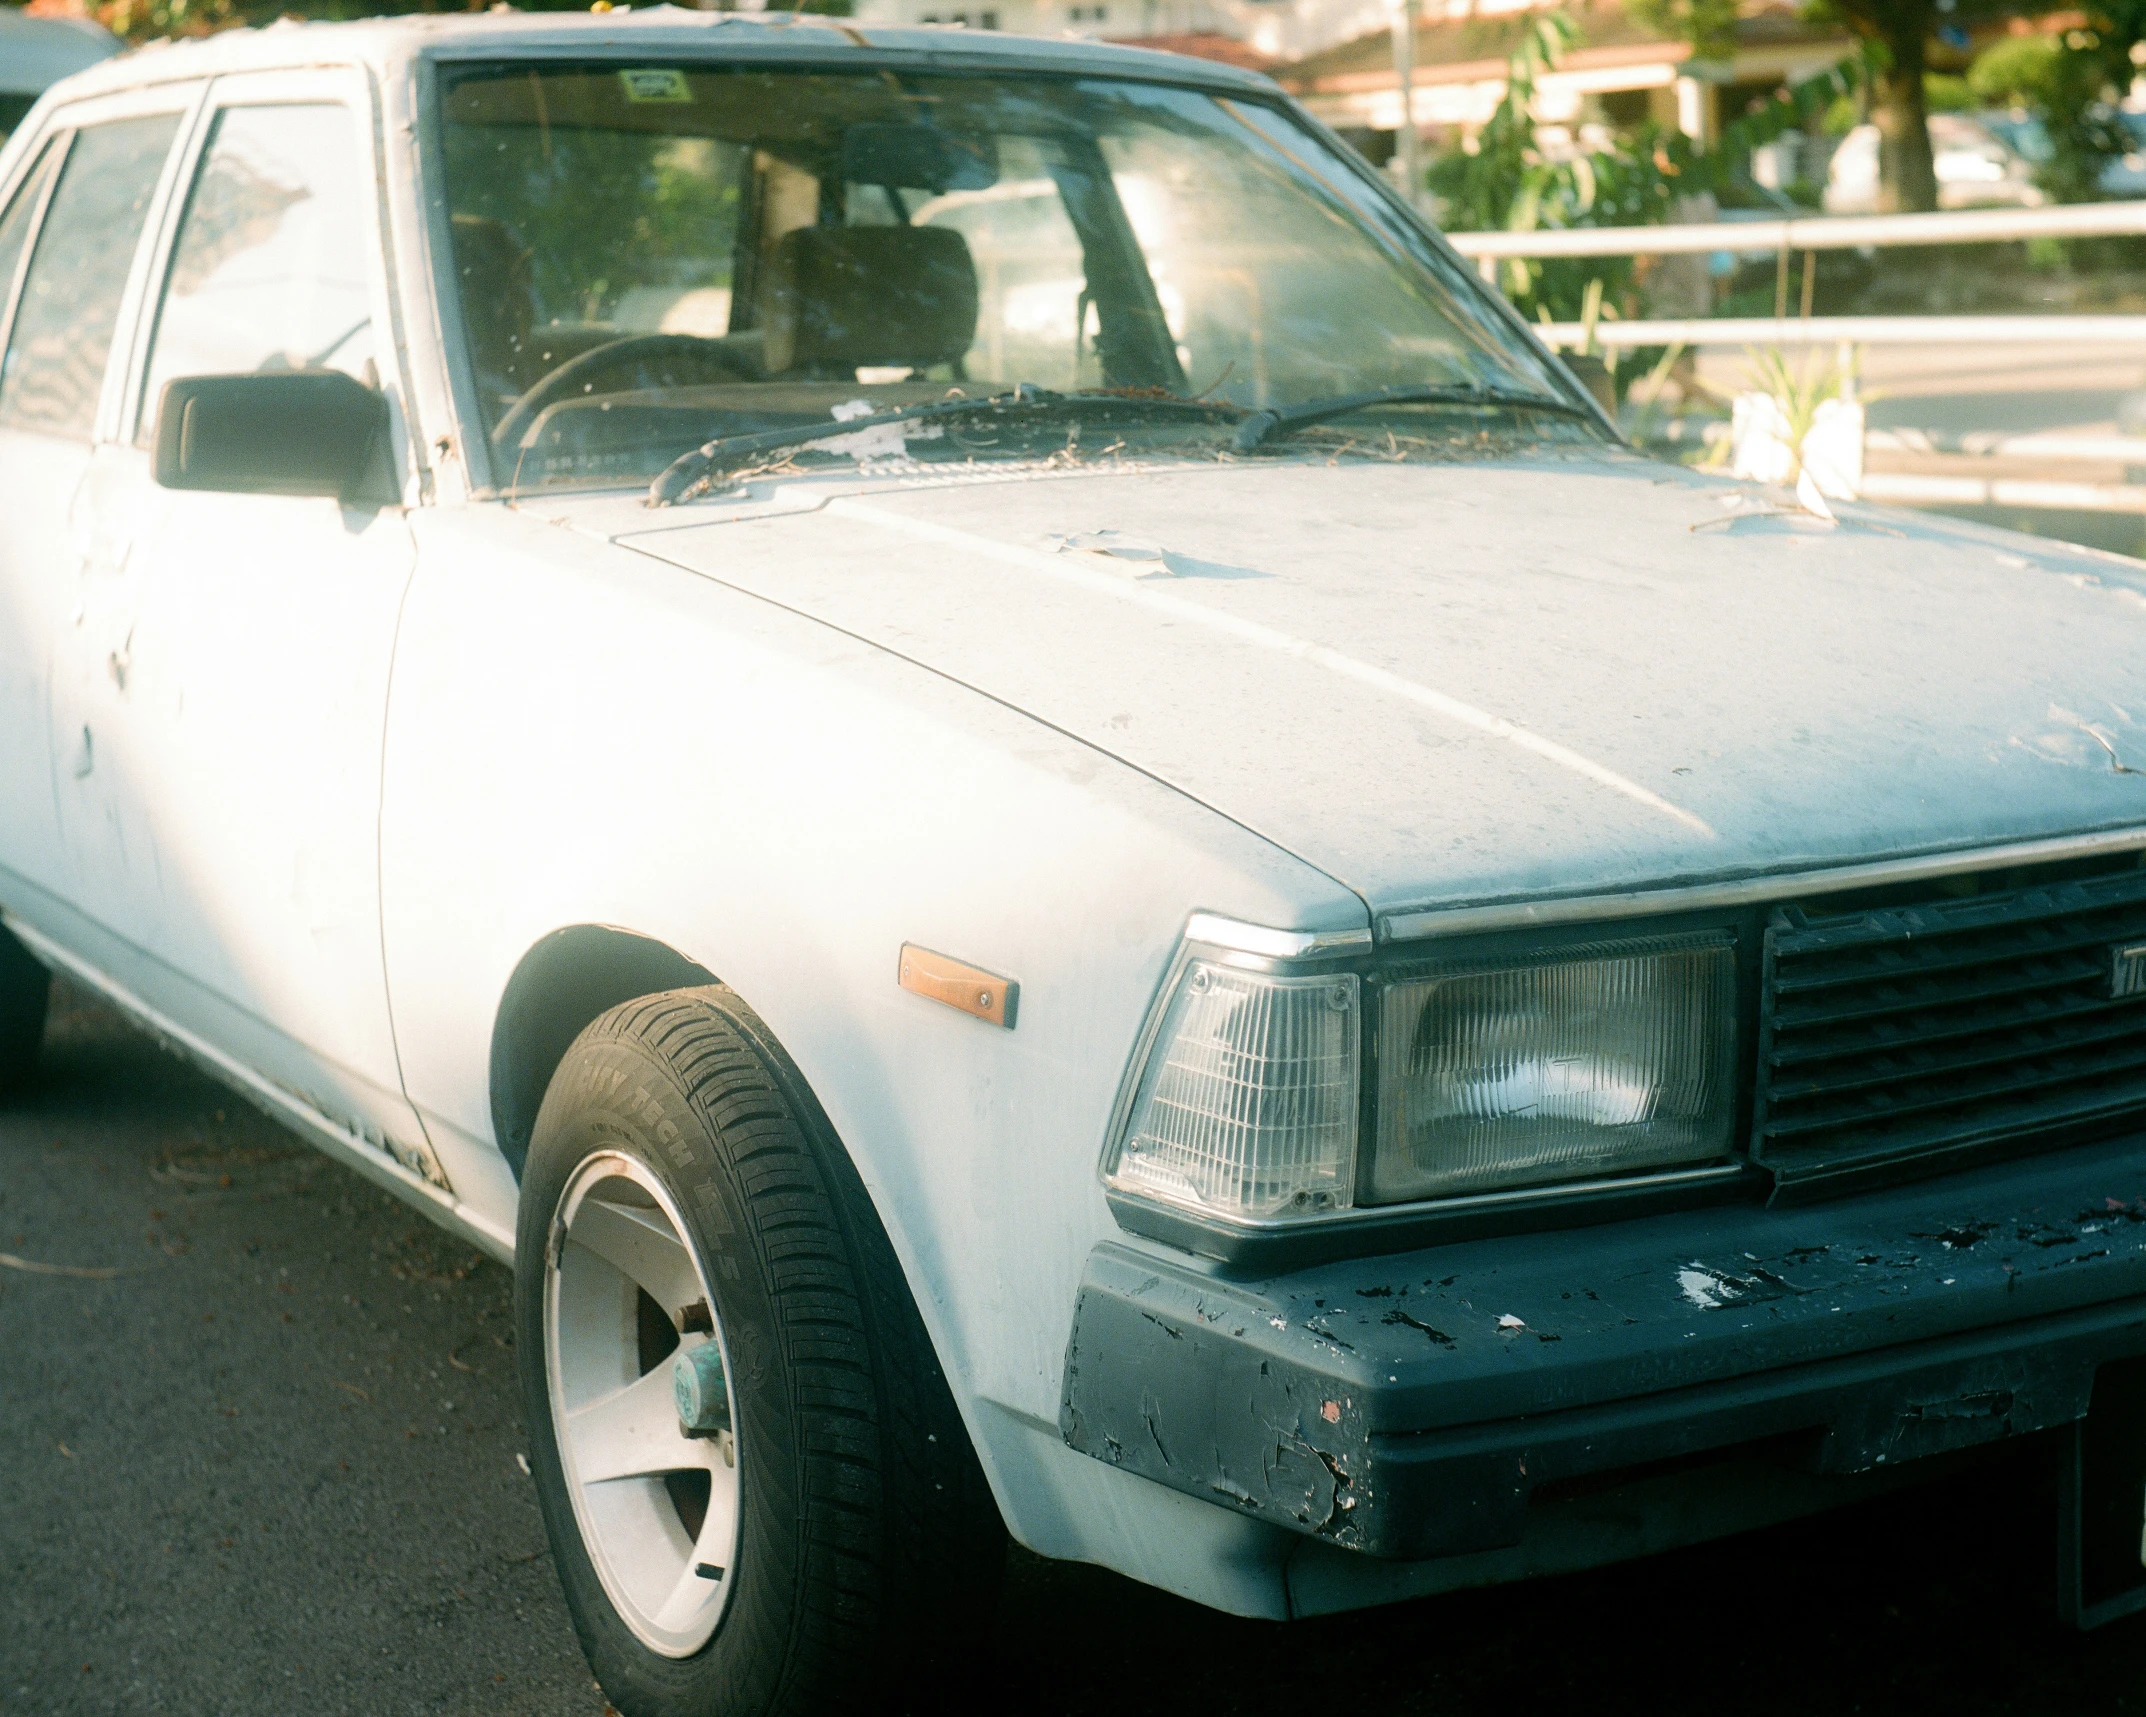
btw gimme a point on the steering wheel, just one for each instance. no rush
(612, 354)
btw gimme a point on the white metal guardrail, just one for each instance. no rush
(1916, 489)
(1809, 234)
(2128, 453)
(1855, 331)
(1996, 444)
(1814, 232)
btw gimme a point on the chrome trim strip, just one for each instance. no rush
(1699, 897)
(1466, 1204)
(1242, 938)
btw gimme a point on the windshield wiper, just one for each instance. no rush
(1262, 427)
(728, 452)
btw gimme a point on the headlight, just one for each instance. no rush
(1595, 1061)
(1248, 1104)
(1494, 1077)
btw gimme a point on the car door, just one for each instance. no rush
(71, 263)
(222, 815)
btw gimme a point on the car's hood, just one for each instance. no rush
(1449, 684)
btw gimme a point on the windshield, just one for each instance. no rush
(652, 256)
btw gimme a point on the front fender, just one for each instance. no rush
(579, 734)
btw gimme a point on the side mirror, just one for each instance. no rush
(293, 432)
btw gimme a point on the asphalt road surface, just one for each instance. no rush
(270, 1468)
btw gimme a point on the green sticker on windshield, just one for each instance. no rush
(656, 83)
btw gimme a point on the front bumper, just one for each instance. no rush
(1411, 1406)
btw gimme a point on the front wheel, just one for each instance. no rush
(758, 1492)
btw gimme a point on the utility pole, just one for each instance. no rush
(1408, 164)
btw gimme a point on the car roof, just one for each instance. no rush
(389, 45)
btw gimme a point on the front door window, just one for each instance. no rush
(268, 272)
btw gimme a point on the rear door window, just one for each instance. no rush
(70, 298)
(15, 227)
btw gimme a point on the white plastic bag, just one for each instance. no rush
(1759, 446)
(1833, 449)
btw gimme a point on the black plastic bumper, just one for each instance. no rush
(1410, 1406)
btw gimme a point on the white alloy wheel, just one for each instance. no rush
(624, 1299)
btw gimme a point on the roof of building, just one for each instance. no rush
(1456, 50)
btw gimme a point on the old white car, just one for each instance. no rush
(1056, 838)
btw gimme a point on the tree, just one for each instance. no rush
(1708, 25)
(1907, 173)
(2070, 81)
(2072, 84)
(1896, 34)
(1509, 181)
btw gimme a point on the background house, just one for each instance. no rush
(1622, 74)
(1255, 32)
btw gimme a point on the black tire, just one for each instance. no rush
(870, 1549)
(25, 994)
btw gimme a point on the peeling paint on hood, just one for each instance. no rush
(1451, 684)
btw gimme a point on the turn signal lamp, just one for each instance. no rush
(1247, 1107)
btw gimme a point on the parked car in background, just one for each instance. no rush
(1976, 168)
(957, 736)
(2125, 175)
(35, 53)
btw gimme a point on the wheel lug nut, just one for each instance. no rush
(701, 1390)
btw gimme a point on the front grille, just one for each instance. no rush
(1951, 1028)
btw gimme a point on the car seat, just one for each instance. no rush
(840, 298)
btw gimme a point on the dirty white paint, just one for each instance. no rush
(1704, 1289)
(1385, 696)
(1284, 643)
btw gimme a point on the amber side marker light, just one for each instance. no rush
(985, 995)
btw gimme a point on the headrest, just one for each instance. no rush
(839, 297)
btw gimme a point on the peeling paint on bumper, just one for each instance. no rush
(1411, 1406)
